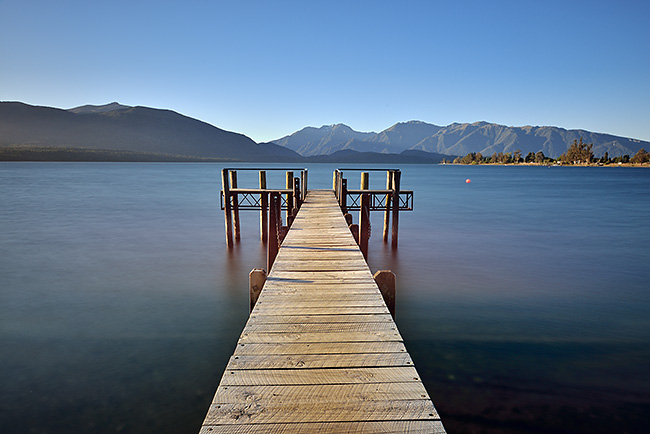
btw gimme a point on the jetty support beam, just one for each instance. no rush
(385, 280)
(225, 182)
(256, 281)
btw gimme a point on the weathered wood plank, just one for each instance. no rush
(256, 413)
(311, 361)
(322, 303)
(313, 319)
(367, 299)
(318, 310)
(321, 393)
(374, 427)
(255, 327)
(275, 348)
(233, 377)
(259, 337)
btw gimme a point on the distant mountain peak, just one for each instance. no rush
(99, 108)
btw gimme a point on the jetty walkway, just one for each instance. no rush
(320, 351)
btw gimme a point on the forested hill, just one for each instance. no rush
(115, 127)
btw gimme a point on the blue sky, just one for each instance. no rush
(269, 68)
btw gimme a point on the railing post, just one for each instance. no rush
(385, 280)
(264, 205)
(227, 208)
(394, 230)
(304, 180)
(296, 193)
(290, 198)
(344, 195)
(274, 229)
(389, 186)
(364, 215)
(235, 205)
(256, 280)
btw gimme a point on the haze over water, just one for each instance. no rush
(522, 296)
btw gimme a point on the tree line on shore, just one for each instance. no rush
(579, 153)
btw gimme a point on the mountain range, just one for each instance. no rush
(143, 130)
(455, 139)
(115, 132)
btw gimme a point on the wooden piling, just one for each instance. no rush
(235, 206)
(389, 186)
(394, 230)
(385, 280)
(297, 197)
(303, 184)
(290, 198)
(364, 216)
(256, 280)
(264, 205)
(344, 195)
(274, 229)
(354, 228)
(225, 182)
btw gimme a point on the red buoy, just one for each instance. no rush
(468, 180)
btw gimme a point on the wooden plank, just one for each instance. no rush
(320, 298)
(315, 290)
(314, 319)
(373, 427)
(233, 377)
(344, 327)
(378, 336)
(319, 348)
(311, 361)
(256, 413)
(323, 393)
(319, 310)
(322, 303)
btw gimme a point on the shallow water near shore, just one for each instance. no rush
(522, 296)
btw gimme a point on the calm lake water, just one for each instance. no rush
(523, 296)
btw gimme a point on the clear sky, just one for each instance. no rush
(269, 68)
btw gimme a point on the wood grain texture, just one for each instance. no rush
(320, 351)
(310, 393)
(253, 412)
(375, 427)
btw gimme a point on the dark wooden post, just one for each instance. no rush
(344, 195)
(256, 280)
(303, 183)
(385, 280)
(235, 205)
(264, 205)
(394, 230)
(274, 228)
(296, 193)
(364, 216)
(289, 186)
(354, 228)
(389, 186)
(226, 206)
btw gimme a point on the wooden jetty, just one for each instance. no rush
(320, 351)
